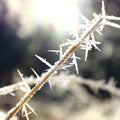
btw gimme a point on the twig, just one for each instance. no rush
(50, 72)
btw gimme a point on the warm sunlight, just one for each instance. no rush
(59, 14)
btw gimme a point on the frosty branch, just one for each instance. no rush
(85, 40)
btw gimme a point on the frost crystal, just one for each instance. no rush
(83, 38)
(89, 42)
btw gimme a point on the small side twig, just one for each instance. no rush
(69, 80)
(17, 86)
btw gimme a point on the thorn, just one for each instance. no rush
(24, 81)
(44, 61)
(103, 9)
(50, 84)
(35, 73)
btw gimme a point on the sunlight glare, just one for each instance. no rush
(62, 15)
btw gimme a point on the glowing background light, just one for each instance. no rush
(55, 16)
(62, 15)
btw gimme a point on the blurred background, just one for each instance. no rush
(33, 27)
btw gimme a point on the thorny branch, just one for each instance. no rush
(83, 41)
(50, 72)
